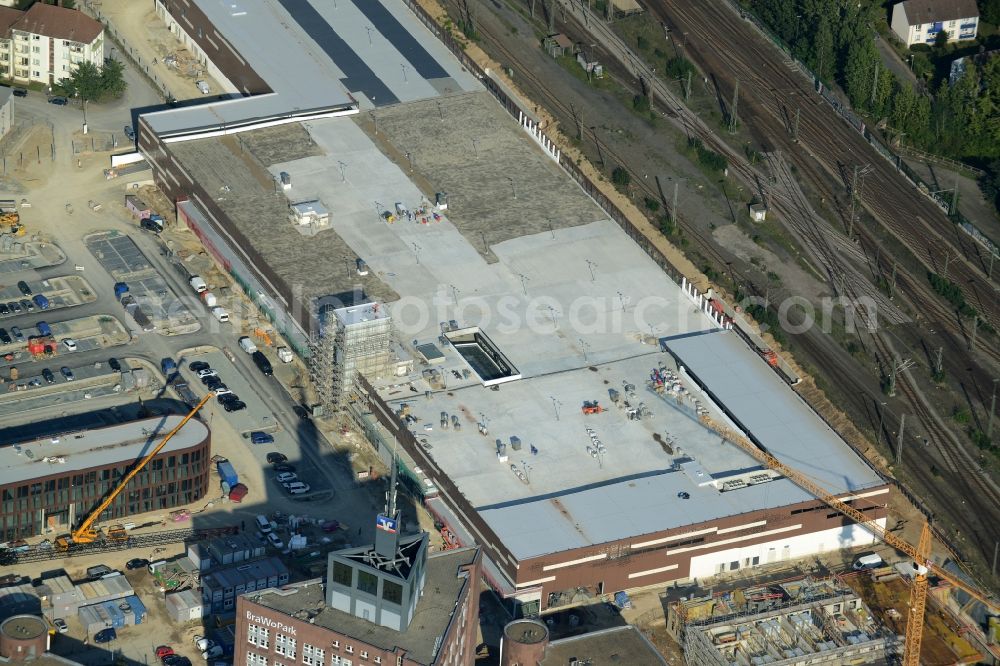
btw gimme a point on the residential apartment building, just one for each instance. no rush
(920, 21)
(45, 43)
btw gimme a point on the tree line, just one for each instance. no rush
(837, 41)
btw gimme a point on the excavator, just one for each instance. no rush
(86, 533)
(920, 554)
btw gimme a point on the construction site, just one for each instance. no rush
(854, 618)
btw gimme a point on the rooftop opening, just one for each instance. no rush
(483, 356)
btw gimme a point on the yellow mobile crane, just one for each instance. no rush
(86, 533)
(921, 553)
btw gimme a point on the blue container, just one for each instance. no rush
(228, 474)
(138, 608)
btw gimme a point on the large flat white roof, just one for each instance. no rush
(75, 451)
(319, 57)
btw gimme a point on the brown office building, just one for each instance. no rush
(382, 624)
(53, 482)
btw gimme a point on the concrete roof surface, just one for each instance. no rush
(771, 412)
(112, 445)
(318, 56)
(433, 612)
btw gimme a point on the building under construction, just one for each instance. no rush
(815, 621)
(351, 339)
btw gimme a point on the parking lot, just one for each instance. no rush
(31, 255)
(125, 262)
(86, 333)
(256, 417)
(52, 294)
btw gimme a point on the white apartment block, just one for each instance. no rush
(46, 43)
(920, 21)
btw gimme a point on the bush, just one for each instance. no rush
(651, 204)
(620, 177)
(640, 103)
(678, 68)
(951, 293)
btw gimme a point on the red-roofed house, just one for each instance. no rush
(45, 43)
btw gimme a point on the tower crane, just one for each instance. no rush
(920, 554)
(86, 533)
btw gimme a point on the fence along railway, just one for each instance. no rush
(789, 205)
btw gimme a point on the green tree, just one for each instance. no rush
(859, 71)
(941, 39)
(989, 11)
(113, 78)
(620, 177)
(95, 84)
(824, 60)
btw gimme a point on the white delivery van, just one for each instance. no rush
(870, 561)
(263, 524)
(247, 345)
(209, 299)
(198, 284)
(285, 354)
(220, 314)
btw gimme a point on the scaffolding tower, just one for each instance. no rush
(350, 340)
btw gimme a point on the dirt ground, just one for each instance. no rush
(148, 40)
(971, 202)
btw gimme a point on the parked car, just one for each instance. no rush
(4, 337)
(174, 660)
(285, 477)
(221, 391)
(130, 133)
(258, 437)
(214, 651)
(28, 305)
(41, 302)
(262, 363)
(20, 92)
(48, 376)
(69, 343)
(95, 572)
(14, 307)
(24, 288)
(238, 492)
(198, 366)
(137, 563)
(62, 101)
(115, 364)
(67, 373)
(203, 643)
(212, 383)
(207, 372)
(60, 625)
(297, 488)
(4, 310)
(274, 540)
(16, 332)
(105, 635)
(164, 651)
(234, 406)
(274, 457)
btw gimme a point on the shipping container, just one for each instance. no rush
(228, 473)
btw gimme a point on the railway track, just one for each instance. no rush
(913, 219)
(758, 68)
(952, 453)
(39, 554)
